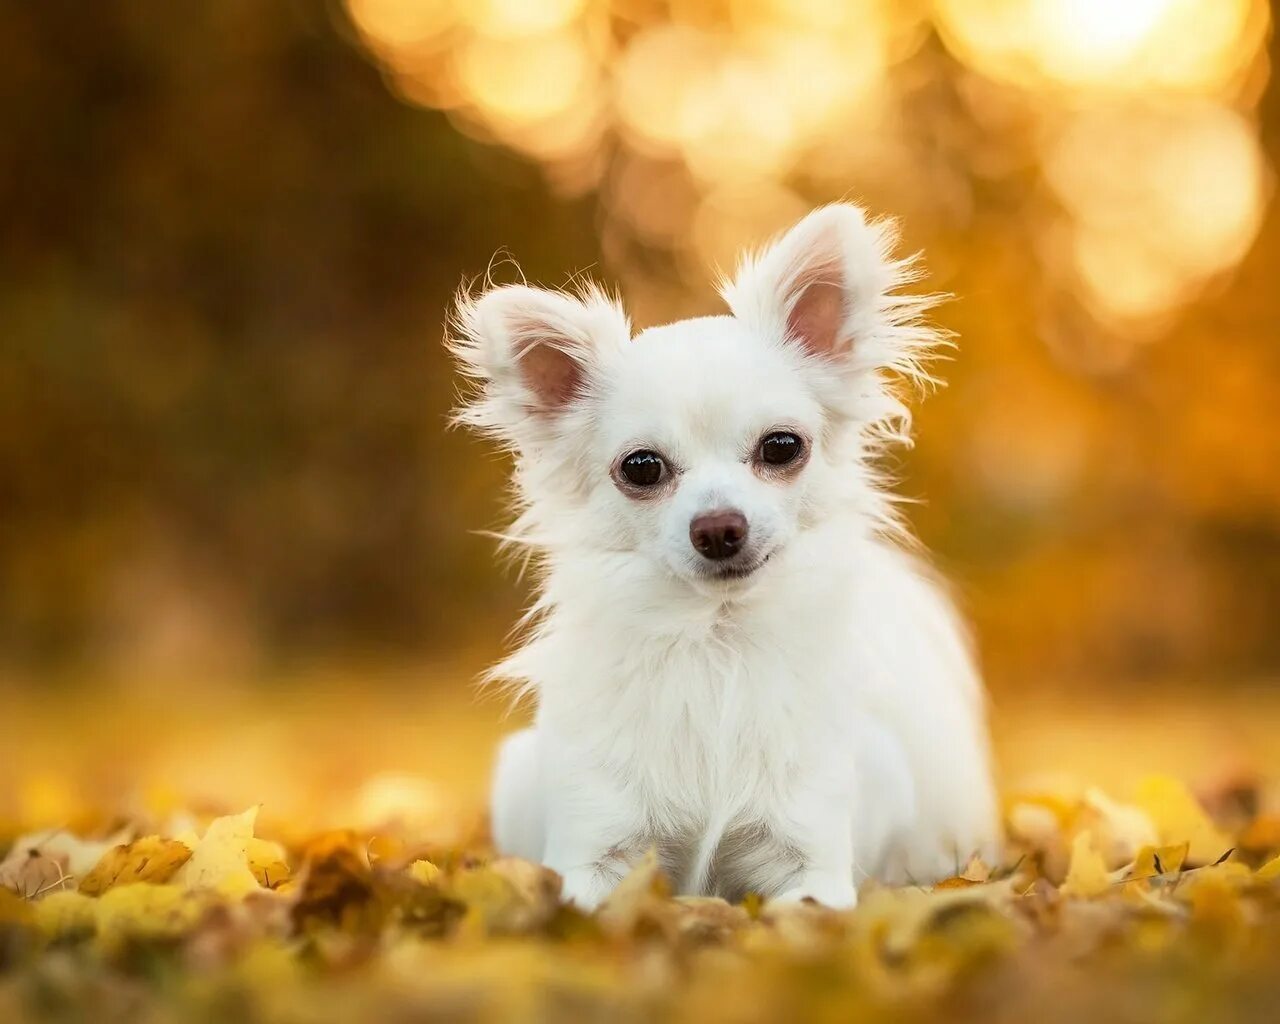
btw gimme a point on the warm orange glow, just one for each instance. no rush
(523, 80)
(732, 213)
(1160, 200)
(1125, 100)
(401, 23)
(520, 17)
(1188, 45)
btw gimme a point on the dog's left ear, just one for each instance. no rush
(824, 285)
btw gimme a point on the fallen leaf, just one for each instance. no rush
(30, 873)
(148, 912)
(1269, 871)
(220, 859)
(1178, 818)
(1087, 874)
(338, 885)
(977, 870)
(956, 882)
(1158, 860)
(66, 915)
(1119, 830)
(149, 859)
(268, 862)
(639, 894)
(424, 871)
(46, 861)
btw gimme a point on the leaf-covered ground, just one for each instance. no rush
(1163, 907)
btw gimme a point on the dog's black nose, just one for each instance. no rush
(718, 535)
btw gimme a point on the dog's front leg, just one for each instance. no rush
(591, 841)
(821, 832)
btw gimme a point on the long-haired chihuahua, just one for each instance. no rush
(735, 656)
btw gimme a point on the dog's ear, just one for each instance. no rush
(824, 285)
(532, 353)
(828, 287)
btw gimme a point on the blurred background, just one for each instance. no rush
(235, 535)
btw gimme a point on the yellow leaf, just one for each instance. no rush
(1119, 830)
(1178, 818)
(1087, 875)
(1158, 860)
(66, 914)
(1269, 871)
(1214, 893)
(220, 860)
(268, 862)
(956, 882)
(147, 911)
(149, 859)
(492, 901)
(14, 910)
(425, 872)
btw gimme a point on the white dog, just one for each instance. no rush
(734, 660)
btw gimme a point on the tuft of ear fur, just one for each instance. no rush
(827, 286)
(531, 354)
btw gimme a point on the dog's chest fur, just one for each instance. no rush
(706, 733)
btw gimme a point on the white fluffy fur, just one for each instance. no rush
(796, 732)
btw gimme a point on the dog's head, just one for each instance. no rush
(704, 448)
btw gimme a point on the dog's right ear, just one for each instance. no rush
(533, 355)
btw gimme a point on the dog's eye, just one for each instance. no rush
(780, 448)
(644, 469)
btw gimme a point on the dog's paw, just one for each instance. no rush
(925, 861)
(832, 891)
(586, 888)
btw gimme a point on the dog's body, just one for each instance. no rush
(734, 660)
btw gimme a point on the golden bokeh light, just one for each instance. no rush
(731, 213)
(1159, 201)
(656, 80)
(395, 25)
(526, 79)
(1138, 115)
(1201, 46)
(520, 17)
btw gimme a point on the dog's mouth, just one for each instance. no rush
(735, 571)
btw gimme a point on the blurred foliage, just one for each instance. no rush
(1163, 909)
(226, 257)
(233, 229)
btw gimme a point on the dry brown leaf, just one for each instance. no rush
(1262, 834)
(51, 860)
(29, 873)
(641, 892)
(149, 859)
(337, 884)
(955, 882)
